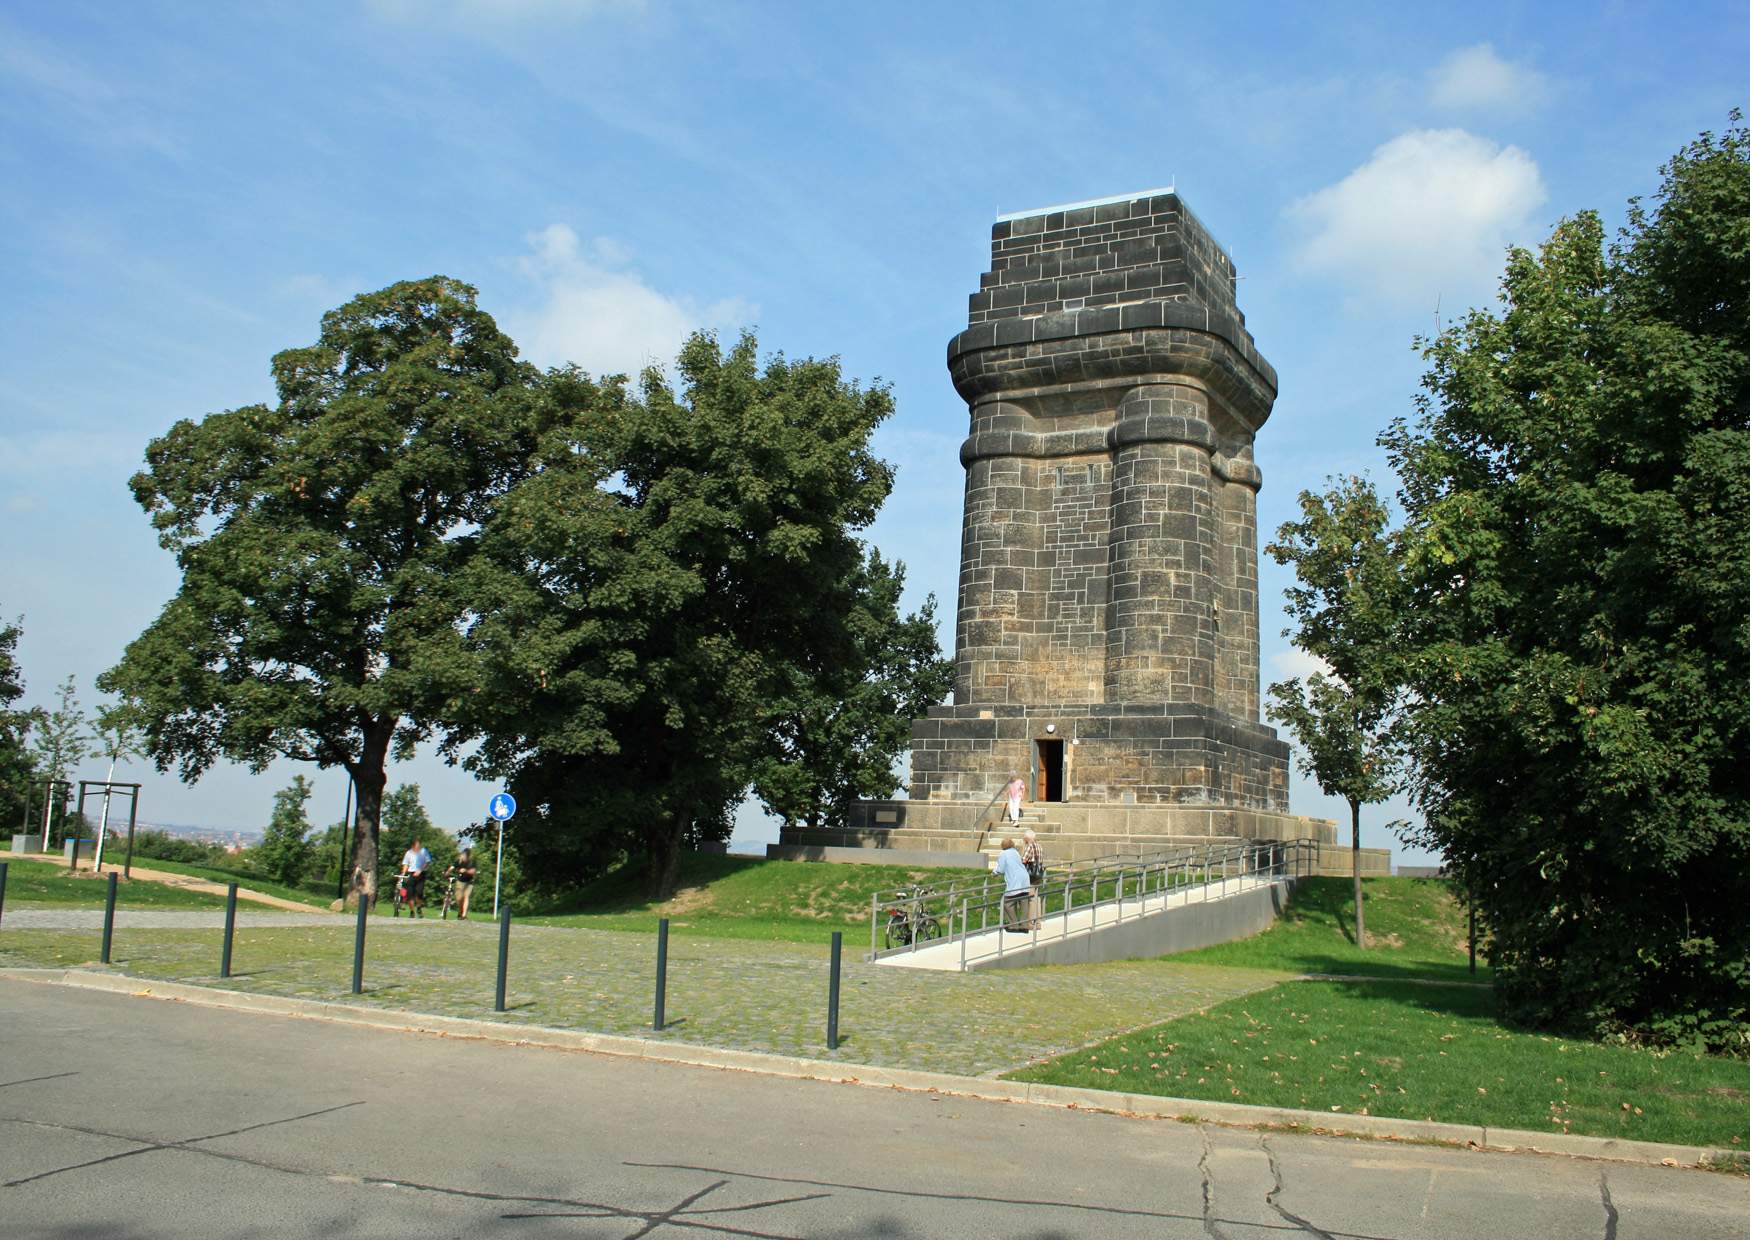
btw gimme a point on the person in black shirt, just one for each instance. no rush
(463, 873)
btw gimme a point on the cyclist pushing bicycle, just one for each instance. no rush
(414, 863)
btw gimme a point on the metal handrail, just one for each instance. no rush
(1122, 889)
(979, 822)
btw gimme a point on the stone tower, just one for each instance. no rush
(1106, 645)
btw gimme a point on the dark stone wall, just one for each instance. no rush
(1109, 536)
(1146, 755)
(1147, 249)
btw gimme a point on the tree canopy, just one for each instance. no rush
(676, 581)
(320, 539)
(1577, 498)
(631, 602)
(836, 737)
(17, 765)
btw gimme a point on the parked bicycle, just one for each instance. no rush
(907, 919)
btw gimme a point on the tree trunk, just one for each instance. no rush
(665, 859)
(370, 776)
(1355, 853)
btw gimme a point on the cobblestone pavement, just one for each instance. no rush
(721, 992)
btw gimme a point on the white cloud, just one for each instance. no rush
(598, 312)
(1428, 215)
(1475, 78)
(1295, 663)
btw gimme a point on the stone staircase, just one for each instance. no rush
(1067, 831)
(1060, 840)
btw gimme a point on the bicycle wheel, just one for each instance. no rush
(897, 934)
(445, 914)
(396, 903)
(929, 928)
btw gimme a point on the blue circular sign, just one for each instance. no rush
(502, 806)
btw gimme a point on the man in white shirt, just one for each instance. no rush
(414, 863)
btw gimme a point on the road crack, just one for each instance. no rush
(1209, 1227)
(1610, 1214)
(1271, 1196)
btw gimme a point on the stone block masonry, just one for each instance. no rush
(1106, 634)
(1109, 548)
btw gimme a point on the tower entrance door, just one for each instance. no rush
(1048, 770)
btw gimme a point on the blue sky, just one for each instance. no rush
(184, 188)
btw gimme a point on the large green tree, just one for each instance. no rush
(1577, 495)
(17, 764)
(1346, 607)
(663, 588)
(321, 540)
(837, 734)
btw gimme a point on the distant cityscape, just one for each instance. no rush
(232, 838)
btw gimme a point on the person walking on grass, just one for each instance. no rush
(1017, 888)
(1034, 860)
(414, 863)
(463, 872)
(1015, 789)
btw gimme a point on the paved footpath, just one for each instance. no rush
(54, 918)
(137, 1118)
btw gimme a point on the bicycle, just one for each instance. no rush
(911, 920)
(405, 890)
(449, 895)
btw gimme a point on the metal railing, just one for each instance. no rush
(979, 822)
(1091, 894)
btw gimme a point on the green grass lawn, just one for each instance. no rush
(1420, 1052)
(43, 883)
(743, 898)
(1415, 1038)
(1415, 928)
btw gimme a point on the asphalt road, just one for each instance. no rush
(127, 1117)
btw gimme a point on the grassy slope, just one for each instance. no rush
(744, 897)
(1414, 929)
(1414, 1041)
(1420, 1052)
(254, 883)
(40, 883)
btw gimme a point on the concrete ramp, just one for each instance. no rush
(1147, 910)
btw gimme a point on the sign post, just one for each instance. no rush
(502, 807)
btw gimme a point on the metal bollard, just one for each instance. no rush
(503, 956)
(2, 887)
(230, 929)
(108, 917)
(358, 947)
(661, 972)
(832, 994)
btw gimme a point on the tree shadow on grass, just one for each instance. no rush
(1425, 995)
